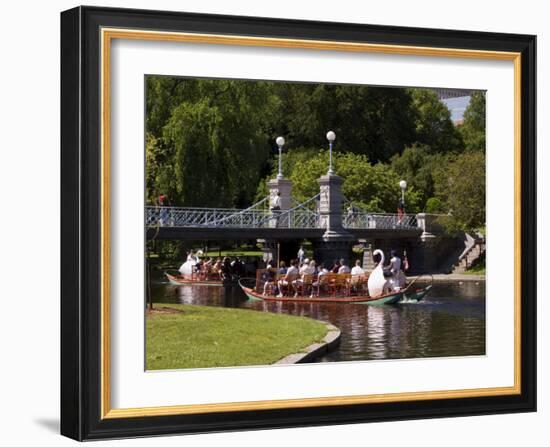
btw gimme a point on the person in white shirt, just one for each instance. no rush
(395, 263)
(316, 285)
(344, 268)
(291, 274)
(275, 207)
(307, 270)
(301, 254)
(397, 277)
(357, 273)
(357, 270)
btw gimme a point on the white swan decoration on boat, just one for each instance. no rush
(188, 267)
(377, 283)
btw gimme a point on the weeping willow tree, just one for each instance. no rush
(207, 141)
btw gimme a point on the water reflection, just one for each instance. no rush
(450, 322)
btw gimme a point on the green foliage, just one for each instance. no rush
(289, 160)
(473, 127)
(416, 165)
(211, 143)
(460, 185)
(434, 205)
(373, 187)
(367, 120)
(434, 127)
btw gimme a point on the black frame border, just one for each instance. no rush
(81, 223)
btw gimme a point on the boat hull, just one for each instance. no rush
(417, 295)
(386, 299)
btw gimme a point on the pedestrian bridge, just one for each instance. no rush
(258, 221)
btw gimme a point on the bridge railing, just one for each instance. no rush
(379, 221)
(263, 218)
(229, 218)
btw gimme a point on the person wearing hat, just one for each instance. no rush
(304, 266)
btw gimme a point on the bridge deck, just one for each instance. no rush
(220, 234)
(256, 223)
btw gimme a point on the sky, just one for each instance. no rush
(457, 106)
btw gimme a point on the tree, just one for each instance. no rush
(213, 142)
(416, 165)
(460, 185)
(473, 127)
(375, 121)
(434, 127)
(372, 187)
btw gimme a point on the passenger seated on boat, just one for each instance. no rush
(338, 283)
(237, 267)
(344, 267)
(357, 270)
(335, 266)
(216, 268)
(269, 277)
(303, 285)
(306, 278)
(358, 277)
(225, 271)
(206, 269)
(319, 280)
(282, 268)
(291, 274)
(199, 270)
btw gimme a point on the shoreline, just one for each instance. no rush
(312, 352)
(448, 278)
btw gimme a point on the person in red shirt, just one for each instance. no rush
(163, 201)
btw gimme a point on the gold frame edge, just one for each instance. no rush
(107, 34)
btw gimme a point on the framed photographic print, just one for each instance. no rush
(276, 223)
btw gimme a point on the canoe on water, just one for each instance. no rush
(179, 280)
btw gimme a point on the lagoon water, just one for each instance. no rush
(449, 322)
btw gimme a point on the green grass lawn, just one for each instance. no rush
(478, 270)
(236, 252)
(189, 336)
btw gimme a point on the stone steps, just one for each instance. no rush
(469, 256)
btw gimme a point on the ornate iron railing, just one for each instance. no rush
(229, 218)
(258, 216)
(380, 221)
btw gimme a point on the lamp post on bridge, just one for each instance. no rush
(280, 142)
(336, 241)
(403, 186)
(331, 136)
(401, 205)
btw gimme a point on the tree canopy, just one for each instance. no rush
(211, 143)
(473, 127)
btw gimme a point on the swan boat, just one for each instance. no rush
(193, 280)
(341, 288)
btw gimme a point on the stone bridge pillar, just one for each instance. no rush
(434, 251)
(284, 187)
(336, 241)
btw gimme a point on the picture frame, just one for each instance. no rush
(86, 37)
